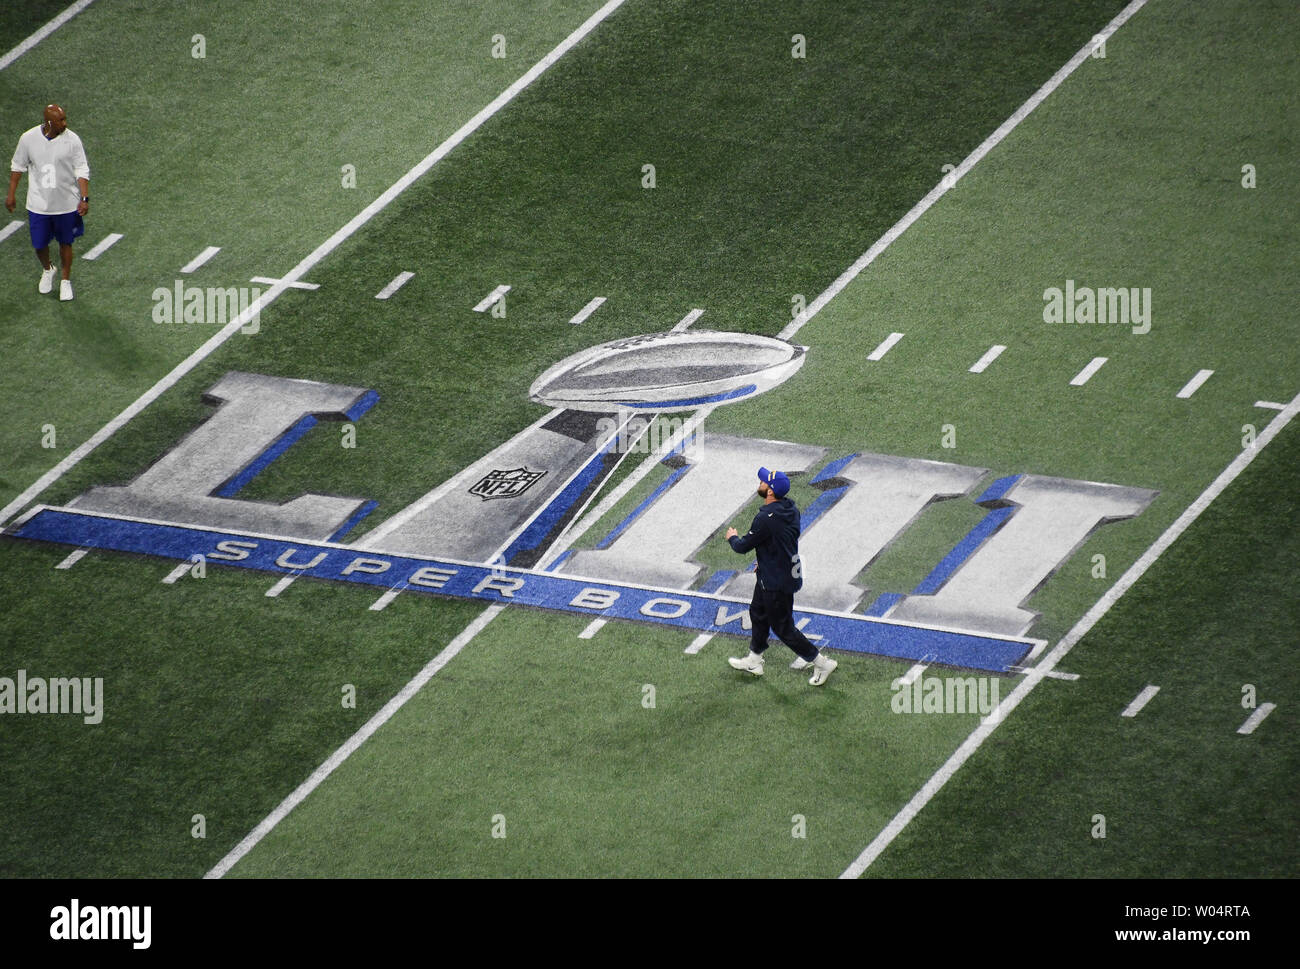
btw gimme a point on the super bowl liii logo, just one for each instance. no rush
(504, 527)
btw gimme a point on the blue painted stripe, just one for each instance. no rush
(559, 506)
(833, 469)
(819, 506)
(367, 401)
(884, 602)
(962, 551)
(695, 401)
(682, 610)
(716, 581)
(555, 566)
(998, 489)
(352, 522)
(259, 463)
(622, 526)
(286, 441)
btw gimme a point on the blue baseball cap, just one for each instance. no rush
(776, 480)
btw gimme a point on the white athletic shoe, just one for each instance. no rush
(47, 280)
(800, 663)
(65, 290)
(753, 663)
(823, 665)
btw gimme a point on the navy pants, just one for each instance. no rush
(773, 612)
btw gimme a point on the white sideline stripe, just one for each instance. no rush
(593, 627)
(319, 253)
(908, 678)
(356, 740)
(200, 259)
(698, 643)
(983, 362)
(397, 283)
(487, 301)
(273, 282)
(103, 246)
(1080, 629)
(1270, 404)
(1139, 701)
(1195, 383)
(44, 32)
(1084, 375)
(171, 577)
(10, 229)
(73, 558)
(1256, 718)
(886, 345)
(386, 598)
(587, 310)
(280, 586)
(950, 179)
(685, 322)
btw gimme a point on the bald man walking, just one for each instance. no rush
(58, 192)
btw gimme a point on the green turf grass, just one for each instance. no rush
(242, 149)
(1183, 794)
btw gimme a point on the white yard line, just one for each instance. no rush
(983, 362)
(288, 284)
(382, 602)
(908, 678)
(1139, 701)
(281, 585)
(685, 322)
(593, 627)
(1269, 404)
(1195, 383)
(1039, 673)
(698, 643)
(103, 246)
(1084, 375)
(171, 577)
(398, 281)
(73, 558)
(303, 267)
(200, 259)
(490, 299)
(1256, 718)
(44, 32)
(951, 179)
(886, 345)
(356, 740)
(10, 229)
(587, 310)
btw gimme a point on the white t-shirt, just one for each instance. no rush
(53, 166)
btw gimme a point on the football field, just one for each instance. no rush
(1041, 256)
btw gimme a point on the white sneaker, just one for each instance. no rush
(800, 663)
(753, 663)
(823, 666)
(65, 290)
(47, 280)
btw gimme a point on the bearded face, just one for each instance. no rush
(762, 490)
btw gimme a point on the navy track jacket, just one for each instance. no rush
(774, 538)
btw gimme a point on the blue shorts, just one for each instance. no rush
(64, 227)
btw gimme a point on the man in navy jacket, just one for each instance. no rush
(774, 539)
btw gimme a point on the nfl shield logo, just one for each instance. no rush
(505, 484)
